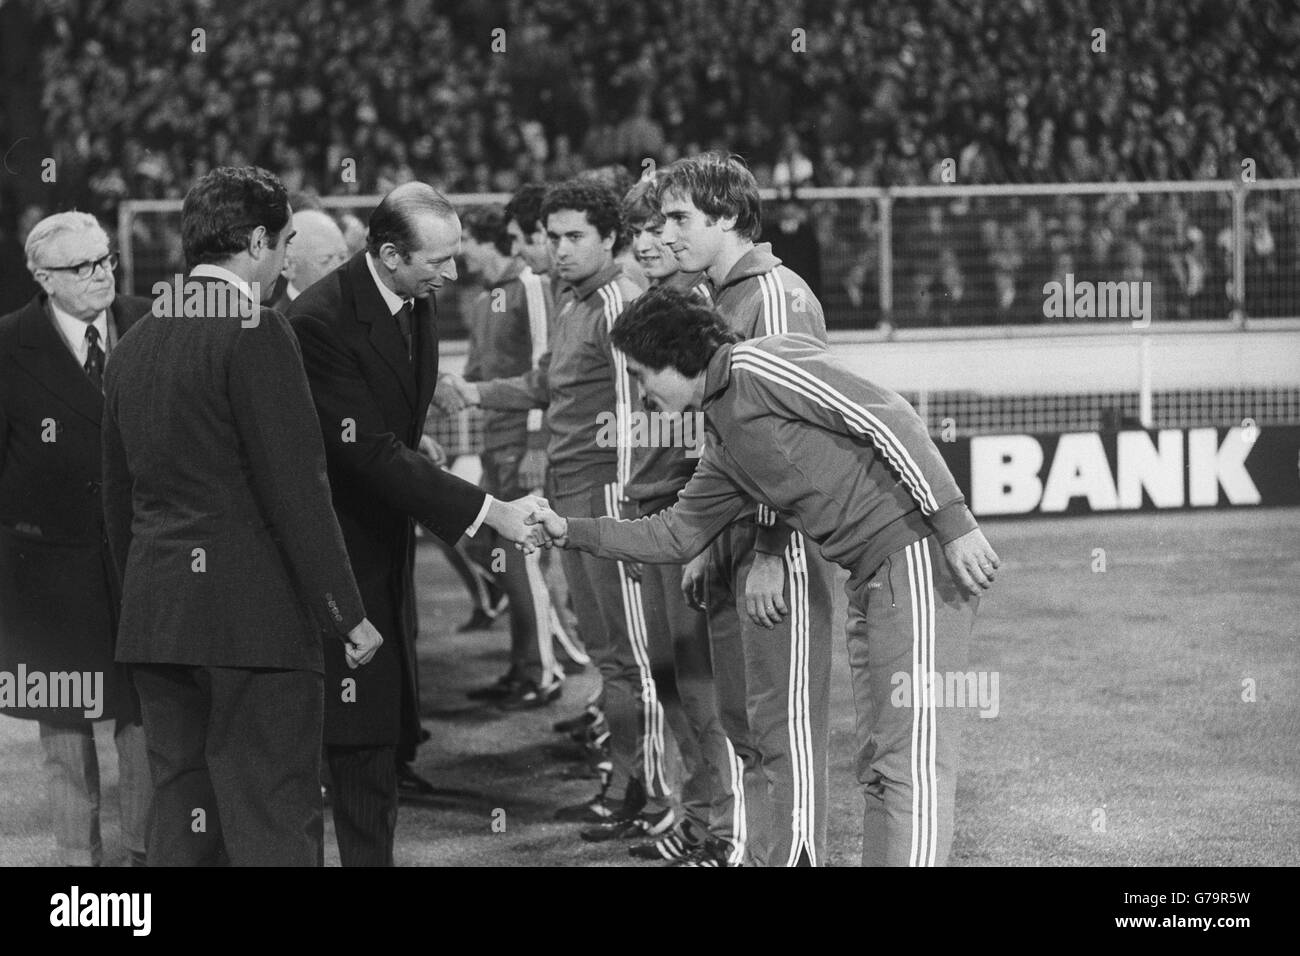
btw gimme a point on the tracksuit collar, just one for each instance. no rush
(593, 282)
(756, 262)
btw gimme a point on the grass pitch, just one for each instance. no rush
(1148, 714)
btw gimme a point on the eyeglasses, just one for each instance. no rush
(84, 270)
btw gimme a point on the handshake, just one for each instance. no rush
(529, 522)
(453, 394)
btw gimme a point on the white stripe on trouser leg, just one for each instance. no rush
(798, 711)
(932, 746)
(652, 744)
(542, 613)
(916, 710)
(924, 797)
(739, 820)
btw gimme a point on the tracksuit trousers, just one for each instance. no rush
(611, 622)
(909, 631)
(773, 689)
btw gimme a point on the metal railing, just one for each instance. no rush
(962, 256)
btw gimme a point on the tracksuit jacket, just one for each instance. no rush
(789, 427)
(762, 297)
(659, 473)
(580, 380)
(507, 336)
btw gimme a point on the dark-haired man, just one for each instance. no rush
(852, 465)
(370, 347)
(589, 399)
(678, 634)
(231, 560)
(772, 657)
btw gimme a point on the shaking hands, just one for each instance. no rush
(529, 522)
(453, 394)
(554, 528)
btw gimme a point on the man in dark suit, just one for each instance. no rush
(231, 558)
(370, 346)
(58, 607)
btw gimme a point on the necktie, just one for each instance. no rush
(94, 357)
(404, 323)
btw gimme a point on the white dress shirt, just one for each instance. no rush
(73, 332)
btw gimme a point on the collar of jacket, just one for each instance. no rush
(718, 374)
(756, 262)
(590, 284)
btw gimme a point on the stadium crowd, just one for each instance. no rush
(827, 93)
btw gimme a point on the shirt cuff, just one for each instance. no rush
(482, 515)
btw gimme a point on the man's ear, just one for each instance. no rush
(258, 242)
(726, 223)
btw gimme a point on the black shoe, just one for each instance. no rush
(577, 722)
(593, 734)
(670, 846)
(641, 825)
(411, 784)
(528, 696)
(595, 810)
(503, 687)
(480, 620)
(712, 854)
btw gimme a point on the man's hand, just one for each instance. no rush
(453, 394)
(532, 470)
(510, 520)
(972, 560)
(695, 576)
(362, 643)
(433, 451)
(764, 589)
(555, 528)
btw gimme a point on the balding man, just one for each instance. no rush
(370, 347)
(318, 248)
(58, 608)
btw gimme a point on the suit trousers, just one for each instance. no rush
(773, 691)
(72, 778)
(612, 624)
(909, 631)
(235, 758)
(363, 797)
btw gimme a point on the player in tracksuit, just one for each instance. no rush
(507, 325)
(852, 465)
(664, 450)
(768, 593)
(583, 384)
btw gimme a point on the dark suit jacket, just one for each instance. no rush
(372, 414)
(58, 607)
(217, 501)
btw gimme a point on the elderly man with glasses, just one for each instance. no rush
(58, 606)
